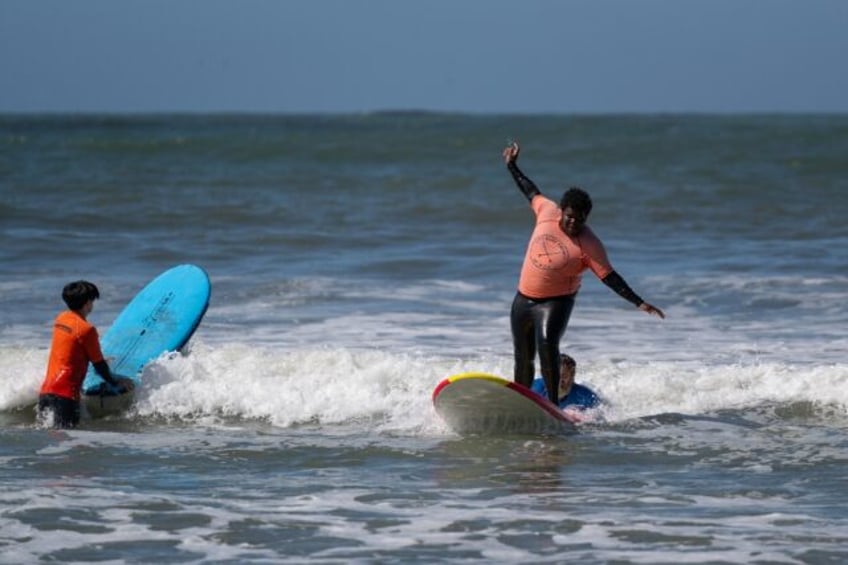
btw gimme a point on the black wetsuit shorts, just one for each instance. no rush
(57, 411)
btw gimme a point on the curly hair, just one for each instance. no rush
(578, 199)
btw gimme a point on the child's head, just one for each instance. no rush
(567, 370)
(78, 293)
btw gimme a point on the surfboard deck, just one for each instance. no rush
(483, 404)
(161, 318)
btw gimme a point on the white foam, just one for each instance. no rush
(21, 373)
(292, 387)
(392, 391)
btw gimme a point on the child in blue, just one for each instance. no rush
(571, 394)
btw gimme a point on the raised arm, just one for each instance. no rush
(510, 155)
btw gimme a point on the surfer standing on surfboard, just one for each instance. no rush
(75, 344)
(561, 247)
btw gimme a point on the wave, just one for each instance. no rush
(391, 392)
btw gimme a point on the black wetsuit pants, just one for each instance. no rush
(538, 325)
(58, 412)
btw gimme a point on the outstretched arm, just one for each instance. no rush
(620, 286)
(510, 155)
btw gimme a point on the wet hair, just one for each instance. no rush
(568, 360)
(578, 199)
(77, 293)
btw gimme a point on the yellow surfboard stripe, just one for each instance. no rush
(485, 376)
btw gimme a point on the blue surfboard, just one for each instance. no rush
(161, 318)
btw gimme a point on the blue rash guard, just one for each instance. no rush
(581, 397)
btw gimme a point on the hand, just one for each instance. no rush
(510, 153)
(651, 309)
(574, 415)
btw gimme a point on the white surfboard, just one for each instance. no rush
(478, 403)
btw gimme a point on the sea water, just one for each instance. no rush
(356, 261)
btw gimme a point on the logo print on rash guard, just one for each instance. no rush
(548, 253)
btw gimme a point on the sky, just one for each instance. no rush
(480, 56)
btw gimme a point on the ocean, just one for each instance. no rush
(356, 261)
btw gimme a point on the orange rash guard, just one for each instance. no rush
(75, 344)
(554, 262)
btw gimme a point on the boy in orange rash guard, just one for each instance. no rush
(561, 247)
(75, 344)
